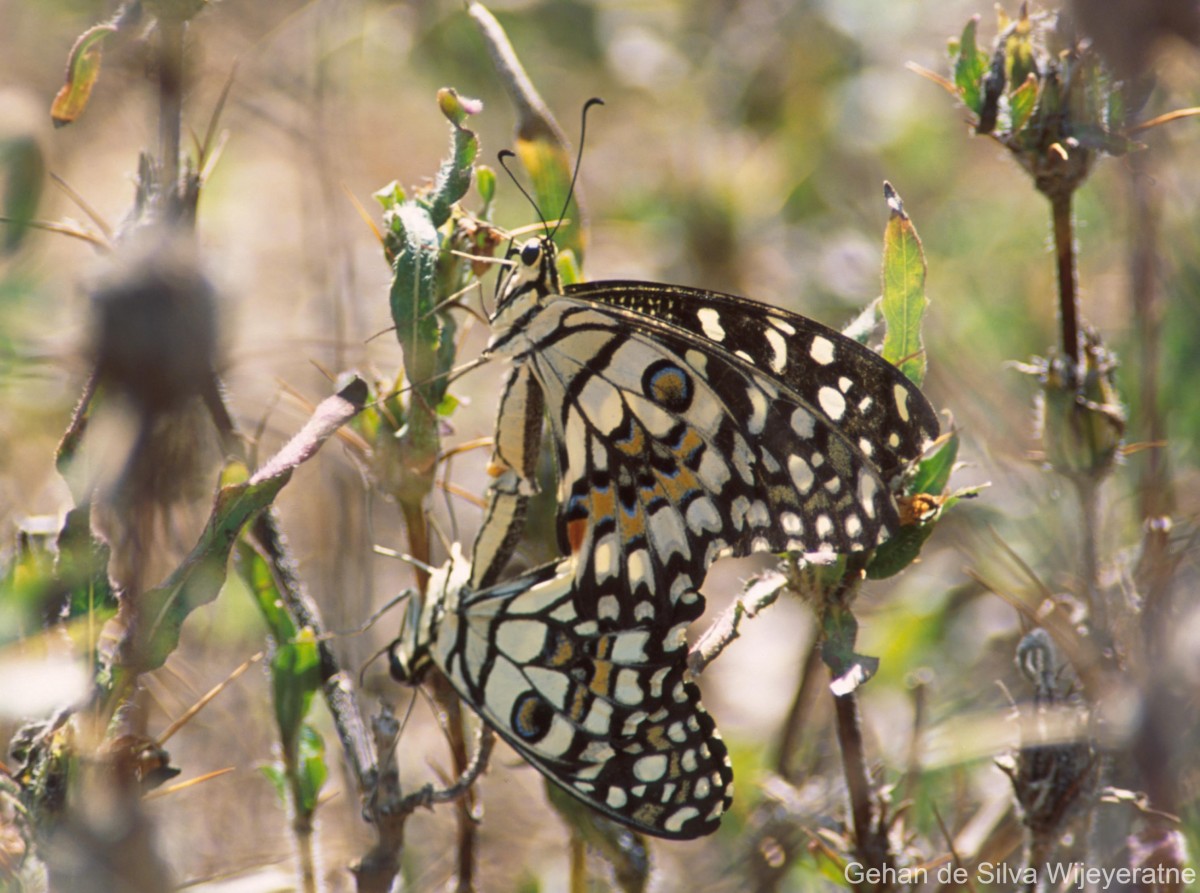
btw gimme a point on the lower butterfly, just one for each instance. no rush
(612, 717)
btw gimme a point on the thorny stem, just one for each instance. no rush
(1068, 297)
(871, 844)
(870, 847)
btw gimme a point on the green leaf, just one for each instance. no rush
(22, 174)
(904, 299)
(295, 678)
(899, 551)
(83, 67)
(933, 474)
(311, 771)
(485, 183)
(1021, 103)
(273, 772)
(970, 67)
(454, 176)
(849, 669)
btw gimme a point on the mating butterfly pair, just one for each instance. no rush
(689, 425)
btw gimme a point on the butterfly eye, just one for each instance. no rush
(531, 252)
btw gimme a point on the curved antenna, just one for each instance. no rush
(595, 100)
(502, 157)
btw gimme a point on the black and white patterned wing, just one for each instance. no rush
(867, 398)
(611, 717)
(673, 451)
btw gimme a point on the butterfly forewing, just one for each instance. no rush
(690, 424)
(609, 716)
(888, 417)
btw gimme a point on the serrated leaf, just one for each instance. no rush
(903, 303)
(970, 67)
(454, 176)
(83, 68)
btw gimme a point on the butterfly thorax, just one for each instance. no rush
(531, 278)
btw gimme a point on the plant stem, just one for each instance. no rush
(1068, 296)
(170, 105)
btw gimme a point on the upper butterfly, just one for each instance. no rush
(689, 424)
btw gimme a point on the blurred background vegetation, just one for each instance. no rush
(742, 147)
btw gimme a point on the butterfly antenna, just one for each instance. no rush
(503, 157)
(595, 100)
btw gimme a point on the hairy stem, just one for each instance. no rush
(1068, 296)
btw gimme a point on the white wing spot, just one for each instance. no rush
(758, 414)
(676, 733)
(824, 526)
(639, 567)
(821, 350)
(893, 439)
(703, 788)
(803, 422)
(702, 516)
(782, 324)
(866, 446)
(832, 402)
(864, 404)
(759, 515)
(853, 526)
(668, 792)
(792, 525)
(901, 401)
(644, 610)
(696, 360)
(616, 798)
(833, 484)
(866, 494)
(778, 350)
(602, 559)
(650, 768)
(675, 821)
(629, 647)
(801, 472)
(844, 383)
(628, 691)
(745, 356)
(710, 321)
(608, 608)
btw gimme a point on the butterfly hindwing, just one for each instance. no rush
(609, 716)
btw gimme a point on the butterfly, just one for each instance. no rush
(611, 717)
(689, 424)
